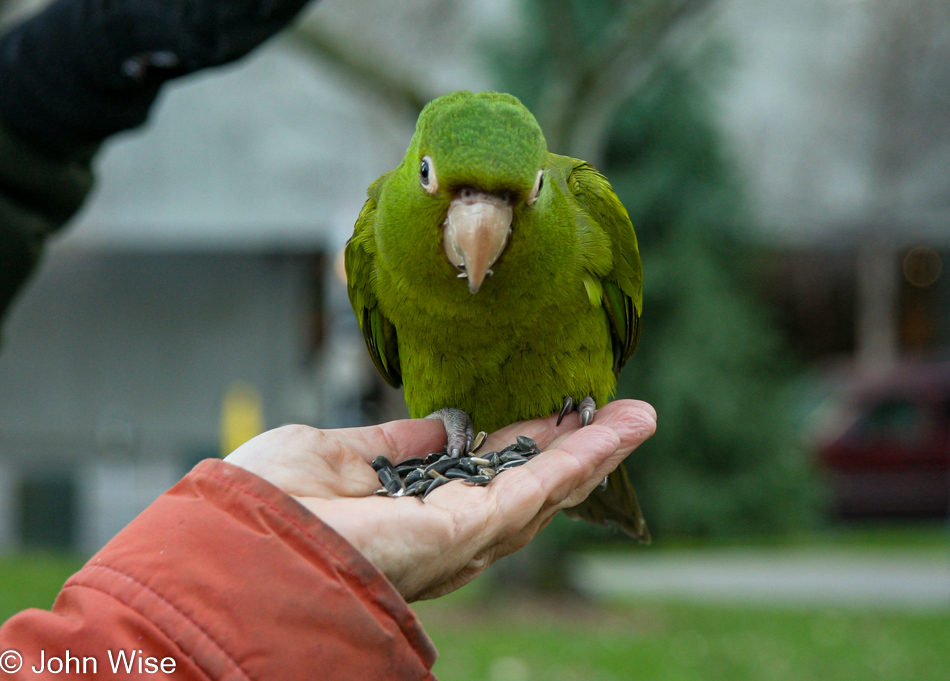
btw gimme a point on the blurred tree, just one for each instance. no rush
(624, 85)
(711, 360)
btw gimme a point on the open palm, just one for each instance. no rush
(430, 548)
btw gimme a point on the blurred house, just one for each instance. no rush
(839, 115)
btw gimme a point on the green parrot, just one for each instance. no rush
(497, 281)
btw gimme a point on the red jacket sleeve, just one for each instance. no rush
(223, 577)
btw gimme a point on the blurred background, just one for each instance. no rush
(786, 164)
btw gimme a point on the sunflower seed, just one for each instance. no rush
(381, 462)
(415, 475)
(478, 441)
(512, 464)
(418, 487)
(390, 480)
(433, 457)
(527, 444)
(442, 465)
(467, 465)
(438, 482)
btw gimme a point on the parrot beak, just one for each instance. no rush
(475, 233)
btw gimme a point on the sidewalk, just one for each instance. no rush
(812, 577)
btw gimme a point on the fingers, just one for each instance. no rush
(406, 438)
(396, 440)
(619, 428)
(547, 433)
(571, 465)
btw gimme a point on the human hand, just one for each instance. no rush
(79, 71)
(428, 549)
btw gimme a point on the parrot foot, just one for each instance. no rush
(586, 407)
(459, 430)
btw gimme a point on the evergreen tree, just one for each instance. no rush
(725, 458)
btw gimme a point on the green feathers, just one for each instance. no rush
(492, 276)
(488, 140)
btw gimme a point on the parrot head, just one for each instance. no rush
(480, 156)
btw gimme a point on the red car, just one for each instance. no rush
(887, 453)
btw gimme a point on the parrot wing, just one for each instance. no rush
(360, 261)
(622, 296)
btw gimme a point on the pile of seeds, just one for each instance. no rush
(417, 477)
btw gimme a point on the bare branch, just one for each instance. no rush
(403, 95)
(628, 55)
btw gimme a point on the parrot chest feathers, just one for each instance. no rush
(508, 362)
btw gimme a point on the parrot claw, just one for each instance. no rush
(567, 408)
(586, 408)
(459, 431)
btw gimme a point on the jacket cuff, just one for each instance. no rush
(247, 582)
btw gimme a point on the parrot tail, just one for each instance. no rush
(615, 505)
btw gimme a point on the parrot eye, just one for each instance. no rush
(427, 175)
(536, 189)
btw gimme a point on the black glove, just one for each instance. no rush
(82, 70)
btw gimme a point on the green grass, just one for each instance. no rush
(32, 580)
(669, 641)
(656, 640)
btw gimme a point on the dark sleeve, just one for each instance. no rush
(82, 70)
(38, 194)
(228, 578)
